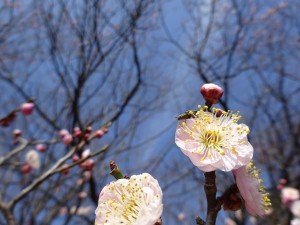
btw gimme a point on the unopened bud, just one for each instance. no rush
(25, 169)
(211, 93)
(27, 108)
(82, 195)
(99, 133)
(88, 164)
(67, 139)
(41, 147)
(16, 133)
(86, 136)
(63, 133)
(75, 158)
(86, 153)
(89, 129)
(77, 132)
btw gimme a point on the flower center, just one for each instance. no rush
(211, 138)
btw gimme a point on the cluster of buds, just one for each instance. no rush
(87, 134)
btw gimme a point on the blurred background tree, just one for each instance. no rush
(137, 64)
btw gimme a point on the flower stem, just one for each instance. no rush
(210, 189)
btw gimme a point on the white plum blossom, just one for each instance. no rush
(134, 201)
(295, 208)
(33, 159)
(254, 194)
(214, 140)
(295, 221)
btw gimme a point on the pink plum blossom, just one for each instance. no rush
(27, 108)
(295, 208)
(289, 194)
(254, 194)
(134, 201)
(214, 142)
(295, 221)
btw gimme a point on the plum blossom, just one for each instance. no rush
(295, 208)
(214, 140)
(254, 194)
(134, 201)
(289, 194)
(295, 221)
(32, 158)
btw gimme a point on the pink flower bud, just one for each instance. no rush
(211, 93)
(67, 139)
(89, 129)
(82, 195)
(77, 134)
(75, 158)
(87, 175)
(76, 129)
(41, 147)
(25, 169)
(27, 108)
(63, 133)
(86, 153)
(283, 181)
(87, 165)
(99, 133)
(16, 133)
(86, 136)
